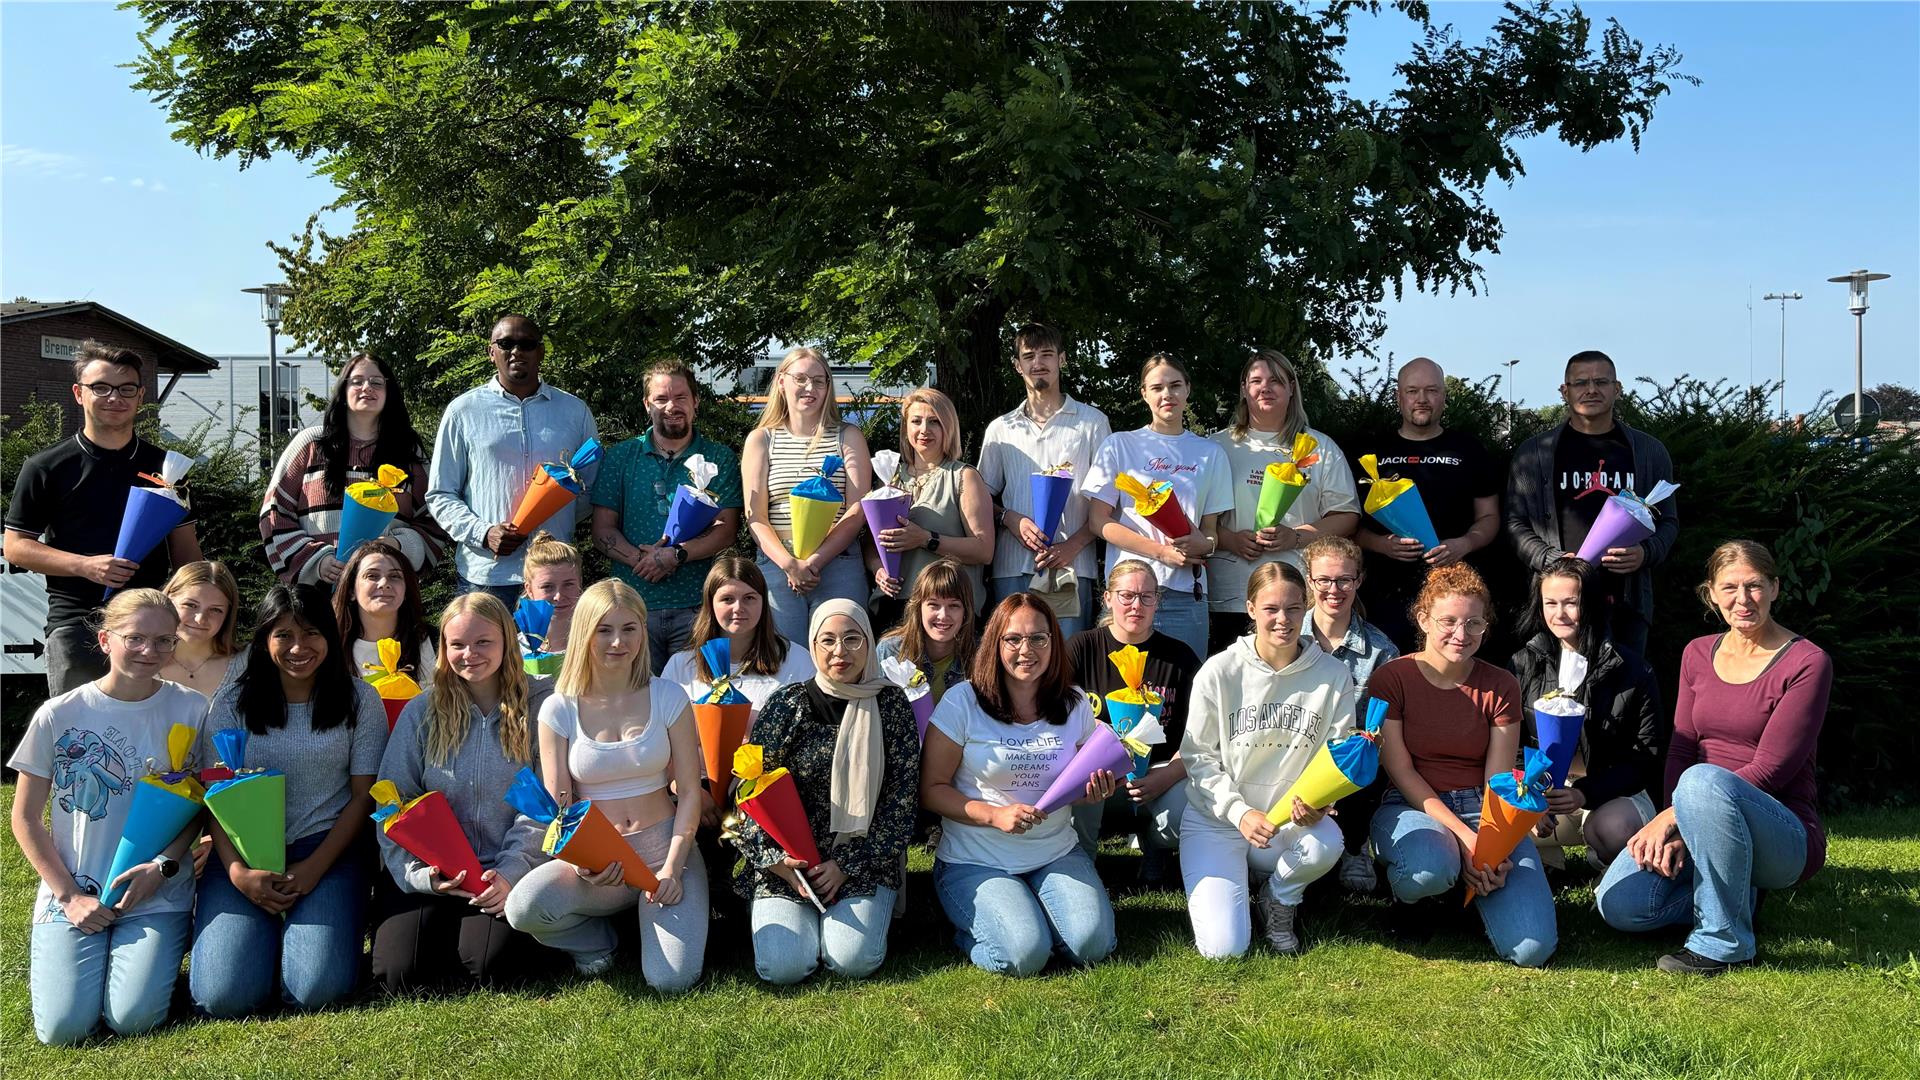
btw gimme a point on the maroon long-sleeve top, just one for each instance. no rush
(1765, 731)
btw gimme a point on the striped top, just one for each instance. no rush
(300, 520)
(791, 461)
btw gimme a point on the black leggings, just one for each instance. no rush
(421, 941)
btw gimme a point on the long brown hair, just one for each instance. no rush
(208, 572)
(449, 705)
(1056, 697)
(411, 625)
(942, 579)
(766, 649)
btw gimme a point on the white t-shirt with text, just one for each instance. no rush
(1004, 765)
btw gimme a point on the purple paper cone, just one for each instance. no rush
(885, 514)
(1102, 750)
(922, 713)
(1615, 527)
(1050, 494)
(359, 523)
(688, 517)
(1560, 737)
(151, 514)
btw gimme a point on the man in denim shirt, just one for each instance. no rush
(630, 500)
(491, 439)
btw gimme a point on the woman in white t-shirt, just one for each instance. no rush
(90, 961)
(1195, 468)
(1265, 421)
(1014, 881)
(379, 597)
(612, 733)
(733, 604)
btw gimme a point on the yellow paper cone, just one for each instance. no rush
(812, 520)
(1320, 784)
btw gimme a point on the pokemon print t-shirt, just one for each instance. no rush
(1004, 765)
(93, 749)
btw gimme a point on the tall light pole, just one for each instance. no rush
(1783, 297)
(1856, 284)
(272, 299)
(1509, 365)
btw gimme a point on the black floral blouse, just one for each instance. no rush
(796, 733)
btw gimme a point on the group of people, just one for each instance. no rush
(1687, 813)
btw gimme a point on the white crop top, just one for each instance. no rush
(629, 767)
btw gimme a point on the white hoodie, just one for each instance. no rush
(1251, 730)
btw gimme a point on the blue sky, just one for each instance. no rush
(1798, 158)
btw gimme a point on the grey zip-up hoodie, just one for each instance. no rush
(474, 780)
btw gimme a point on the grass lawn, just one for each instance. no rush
(1837, 994)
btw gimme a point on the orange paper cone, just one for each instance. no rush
(722, 729)
(1502, 827)
(593, 844)
(545, 497)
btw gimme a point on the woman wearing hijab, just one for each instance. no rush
(848, 738)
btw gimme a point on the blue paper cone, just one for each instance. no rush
(687, 517)
(359, 523)
(155, 818)
(1407, 515)
(1559, 738)
(1050, 494)
(151, 514)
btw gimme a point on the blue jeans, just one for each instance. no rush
(1003, 587)
(123, 974)
(1738, 839)
(313, 950)
(1010, 924)
(843, 578)
(1423, 859)
(508, 594)
(791, 939)
(1156, 823)
(1183, 617)
(669, 630)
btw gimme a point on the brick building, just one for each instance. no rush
(37, 341)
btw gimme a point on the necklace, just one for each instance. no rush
(195, 669)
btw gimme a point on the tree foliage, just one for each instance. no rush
(900, 182)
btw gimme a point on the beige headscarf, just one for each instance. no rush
(859, 753)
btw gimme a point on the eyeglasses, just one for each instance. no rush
(1125, 597)
(165, 643)
(127, 391)
(1473, 627)
(1590, 384)
(1036, 642)
(1341, 583)
(372, 382)
(808, 382)
(516, 344)
(852, 643)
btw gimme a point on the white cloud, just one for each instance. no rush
(106, 179)
(28, 159)
(156, 186)
(136, 182)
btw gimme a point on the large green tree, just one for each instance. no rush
(902, 182)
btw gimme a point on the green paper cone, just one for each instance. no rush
(253, 810)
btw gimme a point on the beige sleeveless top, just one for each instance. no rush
(936, 508)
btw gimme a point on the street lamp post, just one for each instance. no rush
(1509, 365)
(1856, 284)
(1783, 297)
(272, 299)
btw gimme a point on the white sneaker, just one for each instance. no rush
(1357, 873)
(595, 965)
(1279, 919)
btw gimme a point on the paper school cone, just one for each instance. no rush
(152, 512)
(881, 513)
(922, 712)
(1103, 750)
(1396, 503)
(367, 510)
(553, 487)
(1279, 487)
(1559, 738)
(426, 829)
(580, 834)
(772, 800)
(1511, 804)
(722, 729)
(534, 618)
(163, 804)
(1336, 770)
(396, 687)
(251, 805)
(1124, 715)
(1050, 491)
(694, 508)
(1617, 526)
(910, 679)
(814, 505)
(1157, 504)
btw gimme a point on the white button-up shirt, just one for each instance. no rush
(1014, 448)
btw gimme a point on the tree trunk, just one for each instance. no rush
(972, 371)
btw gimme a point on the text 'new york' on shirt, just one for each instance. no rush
(1194, 466)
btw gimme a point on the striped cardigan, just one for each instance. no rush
(300, 521)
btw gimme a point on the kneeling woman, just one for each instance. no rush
(466, 738)
(1453, 720)
(1015, 882)
(612, 733)
(307, 716)
(90, 961)
(1259, 713)
(848, 739)
(1740, 778)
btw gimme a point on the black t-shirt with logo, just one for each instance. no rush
(1451, 470)
(1169, 673)
(72, 497)
(1587, 469)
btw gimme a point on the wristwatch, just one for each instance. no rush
(933, 541)
(679, 555)
(168, 867)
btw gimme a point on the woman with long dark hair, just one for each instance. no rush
(307, 716)
(379, 597)
(365, 426)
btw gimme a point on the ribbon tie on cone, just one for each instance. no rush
(378, 493)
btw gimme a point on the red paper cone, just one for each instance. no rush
(776, 807)
(428, 830)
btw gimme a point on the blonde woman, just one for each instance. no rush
(555, 574)
(89, 961)
(612, 733)
(466, 738)
(952, 511)
(799, 429)
(208, 601)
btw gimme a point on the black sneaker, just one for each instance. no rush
(1688, 962)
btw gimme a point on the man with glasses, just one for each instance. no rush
(491, 439)
(67, 503)
(630, 500)
(1459, 480)
(1049, 429)
(1562, 477)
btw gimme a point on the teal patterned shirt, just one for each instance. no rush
(637, 482)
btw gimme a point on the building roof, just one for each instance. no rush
(170, 355)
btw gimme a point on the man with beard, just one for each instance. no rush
(630, 501)
(1562, 477)
(1459, 481)
(1048, 430)
(491, 439)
